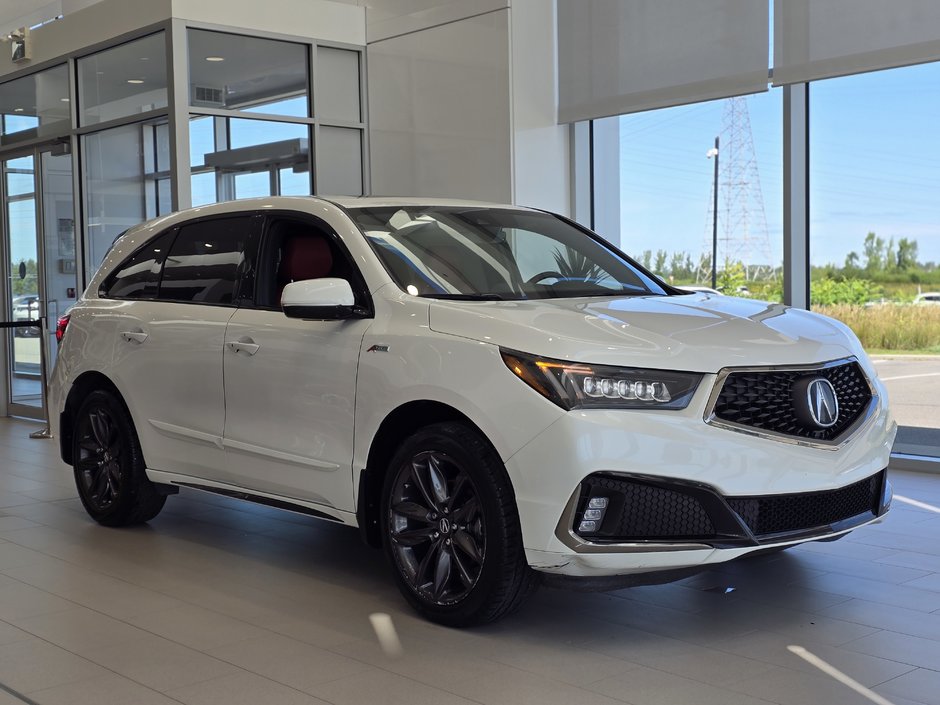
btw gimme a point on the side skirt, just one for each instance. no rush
(298, 506)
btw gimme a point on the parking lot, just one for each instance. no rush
(913, 384)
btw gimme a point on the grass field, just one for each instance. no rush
(891, 327)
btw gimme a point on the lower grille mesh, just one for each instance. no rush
(664, 510)
(798, 512)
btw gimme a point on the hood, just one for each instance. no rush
(697, 333)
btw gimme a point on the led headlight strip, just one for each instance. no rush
(576, 385)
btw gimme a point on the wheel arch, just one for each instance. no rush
(84, 384)
(398, 425)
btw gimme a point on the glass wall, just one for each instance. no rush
(251, 127)
(125, 181)
(35, 105)
(668, 177)
(241, 158)
(875, 230)
(124, 81)
(236, 72)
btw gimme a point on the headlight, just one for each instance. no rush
(575, 385)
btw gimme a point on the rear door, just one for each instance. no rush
(168, 352)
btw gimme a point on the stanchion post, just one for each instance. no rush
(44, 432)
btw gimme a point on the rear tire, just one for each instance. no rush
(109, 465)
(450, 528)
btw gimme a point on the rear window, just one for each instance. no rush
(205, 261)
(139, 275)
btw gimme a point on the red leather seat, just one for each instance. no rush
(304, 257)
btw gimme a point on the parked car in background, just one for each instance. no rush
(26, 308)
(929, 297)
(695, 288)
(493, 395)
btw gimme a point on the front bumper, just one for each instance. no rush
(731, 476)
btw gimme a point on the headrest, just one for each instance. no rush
(305, 257)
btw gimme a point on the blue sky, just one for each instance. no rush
(875, 166)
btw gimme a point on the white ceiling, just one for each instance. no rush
(27, 13)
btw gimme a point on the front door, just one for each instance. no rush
(39, 249)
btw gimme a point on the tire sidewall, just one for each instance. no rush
(441, 437)
(131, 460)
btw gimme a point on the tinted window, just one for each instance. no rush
(295, 250)
(138, 276)
(205, 261)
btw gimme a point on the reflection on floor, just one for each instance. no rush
(221, 602)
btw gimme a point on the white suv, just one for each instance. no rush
(493, 394)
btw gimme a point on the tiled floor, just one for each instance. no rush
(221, 602)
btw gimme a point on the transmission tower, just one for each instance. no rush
(742, 221)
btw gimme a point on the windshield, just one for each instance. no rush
(490, 253)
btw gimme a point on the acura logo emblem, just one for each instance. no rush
(821, 403)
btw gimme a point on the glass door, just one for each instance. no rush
(41, 281)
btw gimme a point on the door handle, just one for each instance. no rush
(245, 345)
(134, 336)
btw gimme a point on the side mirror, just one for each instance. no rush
(326, 299)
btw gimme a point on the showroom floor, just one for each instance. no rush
(221, 602)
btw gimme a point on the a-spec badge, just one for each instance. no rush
(815, 402)
(378, 348)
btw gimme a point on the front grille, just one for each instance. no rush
(778, 514)
(663, 510)
(764, 399)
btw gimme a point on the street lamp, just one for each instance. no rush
(713, 152)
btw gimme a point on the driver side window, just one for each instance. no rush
(298, 250)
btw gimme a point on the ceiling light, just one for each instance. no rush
(135, 80)
(215, 58)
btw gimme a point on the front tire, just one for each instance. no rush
(451, 529)
(109, 465)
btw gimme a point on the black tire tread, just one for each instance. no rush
(144, 501)
(517, 581)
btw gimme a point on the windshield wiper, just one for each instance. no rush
(463, 297)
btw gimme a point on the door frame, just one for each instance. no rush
(8, 407)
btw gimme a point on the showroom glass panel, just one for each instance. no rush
(121, 184)
(338, 85)
(236, 72)
(204, 261)
(339, 161)
(35, 105)
(875, 230)
(123, 81)
(667, 193)
(243, 158)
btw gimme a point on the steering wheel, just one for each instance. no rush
(544, 275)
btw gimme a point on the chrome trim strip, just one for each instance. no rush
(874, 405)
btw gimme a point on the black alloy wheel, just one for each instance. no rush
(436, 528)
(451, 528)
(98, 465)
(109, 466)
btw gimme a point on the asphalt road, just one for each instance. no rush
(913, 384)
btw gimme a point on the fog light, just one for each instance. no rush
(593, 515)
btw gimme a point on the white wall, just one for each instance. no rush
(541, 173)
(440, 111)
(462, 101)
